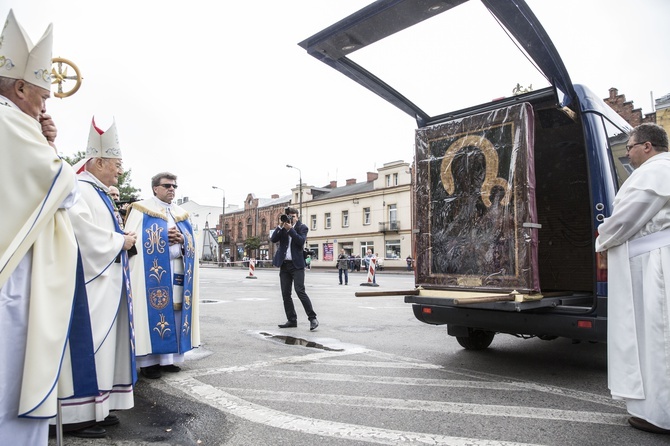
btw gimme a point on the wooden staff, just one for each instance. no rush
(483, 300)
(387, 293)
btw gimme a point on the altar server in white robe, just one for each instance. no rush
(637, 238)
(38, 250)
(104, 249)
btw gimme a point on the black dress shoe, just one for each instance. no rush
(151, 372)
(288, 324)
(89, 432)
(170, 368)
(644, 425)
(313, 323)
(110, 420)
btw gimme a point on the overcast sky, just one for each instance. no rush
(221, 94)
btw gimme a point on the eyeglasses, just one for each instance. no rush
(630, 147)
(169, 186)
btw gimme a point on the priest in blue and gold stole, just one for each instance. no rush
(164, 274)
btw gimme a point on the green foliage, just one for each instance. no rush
(127, 190)
(252, 243)
(72, 160)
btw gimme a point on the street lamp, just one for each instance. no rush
(223, 217)
(300, 173)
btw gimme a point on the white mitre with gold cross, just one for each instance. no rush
(20, 59)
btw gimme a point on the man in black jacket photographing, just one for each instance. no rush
(291, 235)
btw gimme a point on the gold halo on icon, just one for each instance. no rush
(490, 155)
(59, 75)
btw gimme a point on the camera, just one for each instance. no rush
(286, 218)
(122, 205)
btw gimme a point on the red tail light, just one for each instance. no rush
(426, 310)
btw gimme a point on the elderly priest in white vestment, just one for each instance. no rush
(104, 250)
(38, 249)
(637, 238)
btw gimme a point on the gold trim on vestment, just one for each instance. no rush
(148, 211)
(161, 215)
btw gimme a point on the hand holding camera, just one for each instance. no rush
(286, 221)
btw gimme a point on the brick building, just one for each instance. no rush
(627, 110)
(375, 214)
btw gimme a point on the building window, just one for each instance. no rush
(249, 228)
(314, 251)
(264, 226)
(239, 230)
(392, 249)
(326, 218)
(345, 219)
(313, 219)
(393, 216)
(388, 180)
(365, 246)
(366, 216)
(395, 179)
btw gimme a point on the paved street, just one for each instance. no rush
(370, 374)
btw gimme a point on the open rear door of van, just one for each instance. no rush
(337, 44)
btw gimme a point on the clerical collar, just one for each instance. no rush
(88, 177)
(162, 203)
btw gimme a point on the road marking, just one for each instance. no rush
(531, 413)
(545, 388)
(392, 380)
(255, 413)
(235, 400)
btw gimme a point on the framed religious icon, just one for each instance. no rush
(475, 203)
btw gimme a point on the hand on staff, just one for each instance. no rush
(129, 240)
(49, 129)
(175, 237)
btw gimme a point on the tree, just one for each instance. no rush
(127, 191)
(252, 244)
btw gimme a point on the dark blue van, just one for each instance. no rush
(507, 194)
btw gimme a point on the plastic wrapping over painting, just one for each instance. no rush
(475, 202)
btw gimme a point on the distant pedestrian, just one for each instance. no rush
(343, 267)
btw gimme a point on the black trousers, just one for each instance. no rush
(290, 276)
